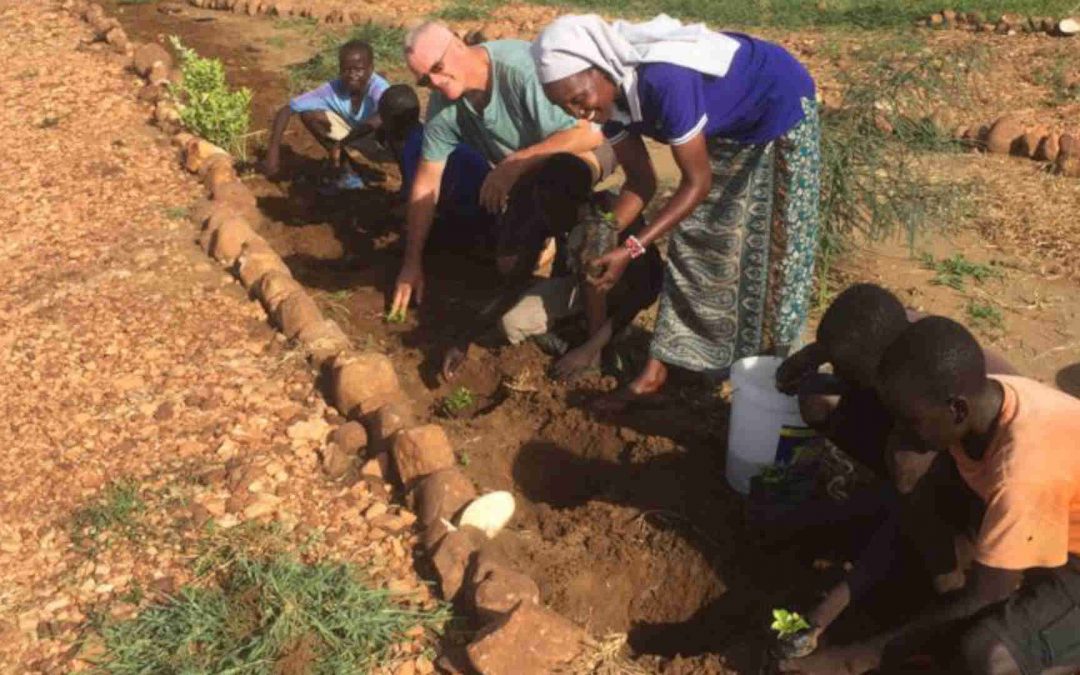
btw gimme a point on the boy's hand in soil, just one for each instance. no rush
(848, 660)
(452, 360)
(575, 362)
(410, 282)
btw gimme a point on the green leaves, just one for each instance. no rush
(207, 106)
(787, 623)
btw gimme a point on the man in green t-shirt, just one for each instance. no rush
(487, 96)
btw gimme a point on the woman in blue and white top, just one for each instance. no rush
(740, 117)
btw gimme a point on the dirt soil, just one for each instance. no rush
(626, 523)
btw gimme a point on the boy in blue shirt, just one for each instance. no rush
(339, 114)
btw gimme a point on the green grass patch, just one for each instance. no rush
(115, 513)
(276, 41)
(207, 106)
(463, 11)
(458, 401)
(386, 41)
(807, 13)
(955, 271)
(176, 212)
(271, 614)
(301, 23)
(984, 315)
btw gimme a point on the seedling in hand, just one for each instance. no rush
(787, 624)
(396, 316)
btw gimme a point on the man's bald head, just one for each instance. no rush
(438, 58)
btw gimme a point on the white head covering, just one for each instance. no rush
(573, 43)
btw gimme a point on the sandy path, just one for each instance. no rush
(125, 355)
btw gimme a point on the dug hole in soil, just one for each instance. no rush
(626, 523)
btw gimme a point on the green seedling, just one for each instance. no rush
(396, 316)
(984, 315)
(458, 400)
(208, 107)
(464, 459)
(955, 271)
(176, 212)
(773, 474)
(787, 623)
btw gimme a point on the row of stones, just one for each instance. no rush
(324, 11)
(516, 633)
(1008, 136)
(1005, 24)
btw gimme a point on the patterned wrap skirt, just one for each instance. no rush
(740, 267)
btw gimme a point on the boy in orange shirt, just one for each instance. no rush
(1016, 443)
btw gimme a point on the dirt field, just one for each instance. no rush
(627, 523)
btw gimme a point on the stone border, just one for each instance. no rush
(1003, 24)
(1008, 136)
(517, 635)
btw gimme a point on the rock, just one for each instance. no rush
(949, 16)
(362, 383)
(1047, 151)
(433, 535)
(159, 74)
(274, 287)
(1068, 27)
(264, 504)
(228, 241)
(235, 193)
(181, 139)
(151, 93)
(530, 640)
(221, 173)
(147, 55)
(166, 116)
(324, 341)
(377, 466)
(118, 39)
(1069, 145)
(501, 590)
(295, 313)
(198, 151)
(1003, 134)
(489, 513)
(420, 451)
(336, 462)
(936, 20)
(253, 264)
(882, 123)
(350, 437)
(452, 558)
(308, 431)
(1049, 25)
(387, 421)
(441, 495)
(1028, 144)
(1068, 159)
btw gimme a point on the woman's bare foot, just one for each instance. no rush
(646, 386)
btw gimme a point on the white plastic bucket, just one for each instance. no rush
(759, 415)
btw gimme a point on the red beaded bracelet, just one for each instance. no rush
(634, 247)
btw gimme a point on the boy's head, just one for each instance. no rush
(930, 378)
(399, 109)
(856, 328)
(356, 62)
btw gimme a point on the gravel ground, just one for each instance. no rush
(128, 358)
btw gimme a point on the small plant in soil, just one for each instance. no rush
(264, 614)
(207, 106)
(955, 271)
(176, 212)
(463, 459)
(396, 317)
(458, 401)
(984, 315)
(116, 511)
(462, 12)
(787, 623)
